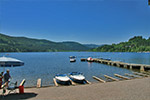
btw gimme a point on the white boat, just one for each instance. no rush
(72, 58)
(62, 79)
(77, 76)
(90, 59)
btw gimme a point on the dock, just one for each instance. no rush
(109, 77)
(141, 74)
(141, 67)
(99, 79)
(120, 76)
(131, 75)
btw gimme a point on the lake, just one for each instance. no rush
(45, 65)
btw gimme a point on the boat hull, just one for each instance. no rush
(72, 60)
(63, 82)
(78, 81)
(62, 79)
(77, 77)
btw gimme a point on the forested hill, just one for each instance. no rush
(135, 44)
(23, 44)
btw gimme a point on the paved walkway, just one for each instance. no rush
(136, 89)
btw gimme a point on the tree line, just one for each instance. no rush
(135, 44)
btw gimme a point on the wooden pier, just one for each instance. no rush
(141, 67)
(131, 75)
(114, 79)
(141, 74)
(99, 79)
(120, 76)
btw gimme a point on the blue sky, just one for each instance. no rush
(84, 21)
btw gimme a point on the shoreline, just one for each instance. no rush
(135, 89)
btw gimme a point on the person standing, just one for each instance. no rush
(7, 77)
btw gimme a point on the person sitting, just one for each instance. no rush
(7, 77)
(1, 78)
(1, 75)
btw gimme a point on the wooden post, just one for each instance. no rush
(142, 68)
(99, 79)
(56, 84)
(112, 63)
(38, 83)
(118, 65)
(88, 82)
(122, 76)
(131, 67)
(109, 63)
(114, 79)
(73, 83)
(131, 75)
(125, 66)
(140, 74)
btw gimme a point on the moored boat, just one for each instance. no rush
(90, 59)
(77, 77)
(62, 79)
(72, 58)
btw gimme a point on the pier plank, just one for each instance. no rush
(99, 79)
(38, 83)
(131, 75)
(56, 84)
(136, 73)
(120, 76)
(88, 82)
(114, 79)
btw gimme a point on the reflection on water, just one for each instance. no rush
(45, 65)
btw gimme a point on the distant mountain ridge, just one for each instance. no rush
(24, 44)
(135, 44)
(92, 46)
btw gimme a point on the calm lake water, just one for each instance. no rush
(45, 65)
